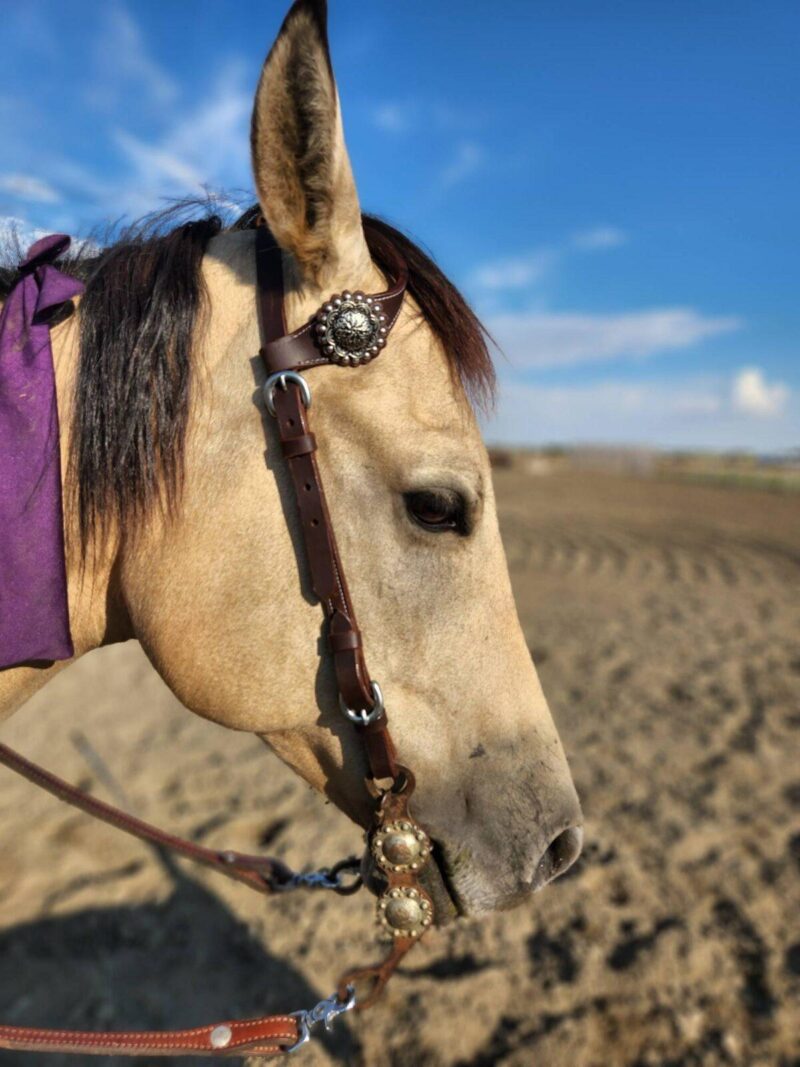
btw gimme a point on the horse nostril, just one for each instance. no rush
(559, 856)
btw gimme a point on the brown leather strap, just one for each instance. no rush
(269, 287)
(259, 872)
(267, 1036)
(327, 577)
(298, 351)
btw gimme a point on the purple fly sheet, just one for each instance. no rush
(34, 616)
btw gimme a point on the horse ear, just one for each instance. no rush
(302, 170)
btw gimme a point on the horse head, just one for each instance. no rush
(217, 588)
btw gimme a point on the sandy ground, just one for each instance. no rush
(664, 621)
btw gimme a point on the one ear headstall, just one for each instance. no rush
(349, 330)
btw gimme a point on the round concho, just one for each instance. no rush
(351, 329)
(400, 847)
(404, 911)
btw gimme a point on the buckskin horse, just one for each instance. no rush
(178, 533)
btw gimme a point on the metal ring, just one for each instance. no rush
(364, 717)
(351, 866)
(281, 379)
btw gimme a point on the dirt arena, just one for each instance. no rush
(665, 622)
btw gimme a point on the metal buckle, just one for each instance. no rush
(324, 1012)
(364, 717)
(280, 379)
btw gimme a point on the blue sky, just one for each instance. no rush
(615, 187)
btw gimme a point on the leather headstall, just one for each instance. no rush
(349, 330)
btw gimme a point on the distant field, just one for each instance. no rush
(737, 472)
(781, 481)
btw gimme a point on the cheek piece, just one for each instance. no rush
(349, 331)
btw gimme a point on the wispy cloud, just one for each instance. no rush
(393, 117)
(17, 234)
(560, 339)
(160, 167)
(27, 187)
(599, 238)
(450, 129)
(752, 394)
(516, 272)
(528, 269)
(467, 159)
(201, 147)
(414, 114)
(123, 63)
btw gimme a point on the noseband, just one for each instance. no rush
(348, 331)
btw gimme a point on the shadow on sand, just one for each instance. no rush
(181, 963)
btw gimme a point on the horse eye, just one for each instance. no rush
(438, 510)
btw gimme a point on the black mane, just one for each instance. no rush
(138, 317)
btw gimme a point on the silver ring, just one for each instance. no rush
(364, 717)
(280, 380)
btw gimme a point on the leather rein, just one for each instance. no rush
(349, 331)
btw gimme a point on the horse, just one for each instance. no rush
(181, 533)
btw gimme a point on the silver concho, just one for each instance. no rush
(401, 847)
(404, 912)
(351, 329)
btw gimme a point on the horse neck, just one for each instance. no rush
(94, 615)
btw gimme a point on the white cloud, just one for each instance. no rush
(198, 148)
(516, 272)
(392, 117)
(697, 402)
(26, 187)
(599, 238)
(214, 136)
(205, 146)
(694, 413)
(467, 159)
(523, 271)
(439, 116)
(123, 61)
(753, 395)
(18, 233)
(558, 339)
(158, 166)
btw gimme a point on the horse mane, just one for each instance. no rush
(138, 317)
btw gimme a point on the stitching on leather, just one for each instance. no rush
(312, 362)
(195, 1039)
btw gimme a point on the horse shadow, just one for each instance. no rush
(174, 964)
